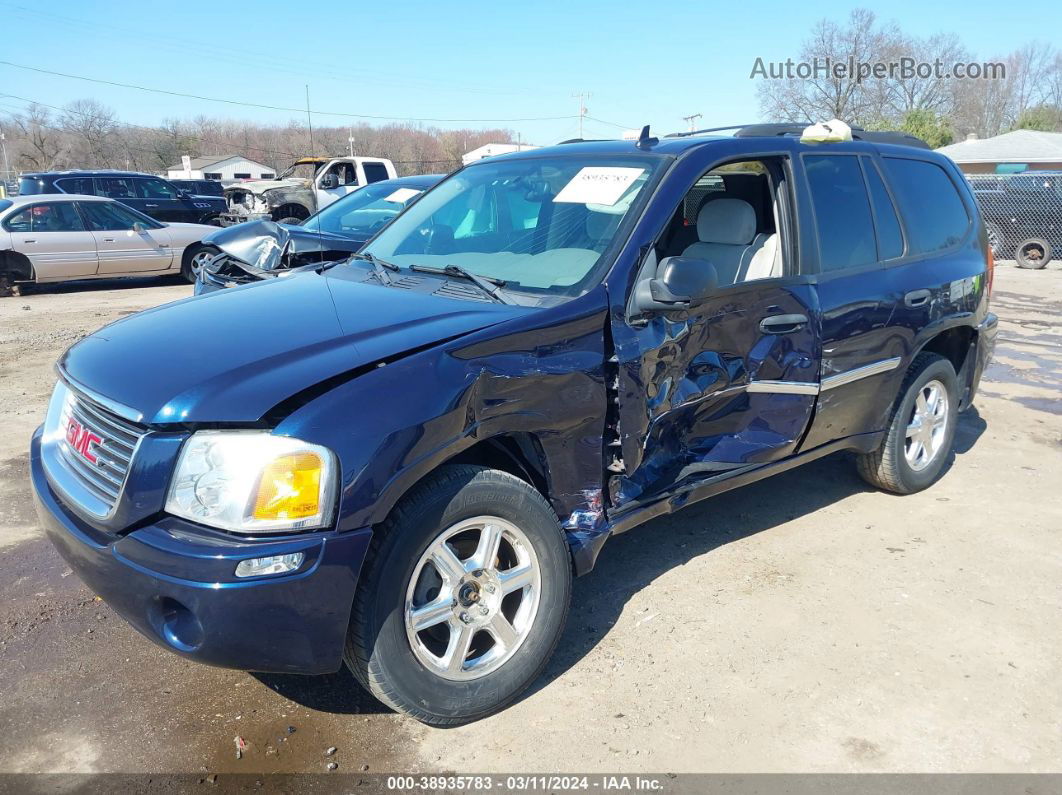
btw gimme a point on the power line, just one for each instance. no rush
(155, 152)
(275, 107)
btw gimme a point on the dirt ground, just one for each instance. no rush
(805, 623)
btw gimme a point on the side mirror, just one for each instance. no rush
(183, 194)
(329, 181)
(139, 228)
(679, 282)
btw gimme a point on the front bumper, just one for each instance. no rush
(175, 583)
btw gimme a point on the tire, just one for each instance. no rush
(397, 663)
(1033, 253)
(191, 262)
(895, 466)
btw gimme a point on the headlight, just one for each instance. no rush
(253, 482)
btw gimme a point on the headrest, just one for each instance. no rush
(730, 221)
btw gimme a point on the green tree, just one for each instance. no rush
(931, 127)
(1045, 118)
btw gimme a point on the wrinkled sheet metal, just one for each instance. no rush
(542, 382)
(263, 248)
(685, 412)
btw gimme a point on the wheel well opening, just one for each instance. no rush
(519, 454)
(291, 210)
(953, 344)
(15, 266)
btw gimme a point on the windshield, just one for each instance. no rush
(539, 224)
(364, 211)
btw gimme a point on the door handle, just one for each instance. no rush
(30, 241)
(783, 324)
(108, 240)
(917, 298)
(151, 205)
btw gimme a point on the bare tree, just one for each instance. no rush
(826, 94)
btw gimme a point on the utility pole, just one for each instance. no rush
(7, 168)
(350, 140)
(582, 97)
(690, 119)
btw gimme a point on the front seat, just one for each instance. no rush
(726, 234)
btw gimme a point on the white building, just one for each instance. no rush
(220, 167)
(489, 150)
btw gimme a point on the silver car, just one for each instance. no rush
(51, 238)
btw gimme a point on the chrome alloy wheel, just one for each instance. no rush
(200, 259)
(928, 426)
(473, 598)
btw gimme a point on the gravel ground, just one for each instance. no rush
(805, 623)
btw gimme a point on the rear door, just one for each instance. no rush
(856, 232)
(122, 247)
(53, 236)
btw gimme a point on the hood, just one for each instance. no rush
(232, 355)
(269, 246)
(262, 185)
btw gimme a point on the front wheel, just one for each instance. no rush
(463, 597)
(921, 430)
(195, 257)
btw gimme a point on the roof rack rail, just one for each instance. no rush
(797, 129)
(858, 134)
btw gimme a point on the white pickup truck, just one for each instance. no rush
(309, 184)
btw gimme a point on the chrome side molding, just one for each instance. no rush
(867, 370)
(833, 381)
(784, 387)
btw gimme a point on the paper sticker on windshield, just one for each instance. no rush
(402, 195)
(598, 185)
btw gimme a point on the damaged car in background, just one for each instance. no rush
(308, 185)
(263, 249)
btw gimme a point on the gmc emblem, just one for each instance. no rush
(82, 440)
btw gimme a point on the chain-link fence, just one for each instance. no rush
(1023, 215)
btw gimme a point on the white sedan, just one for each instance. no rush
(52, 238)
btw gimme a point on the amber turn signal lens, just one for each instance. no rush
(290, 487)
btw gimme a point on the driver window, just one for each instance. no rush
(730, 219)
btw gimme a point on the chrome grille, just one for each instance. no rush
(81, 419)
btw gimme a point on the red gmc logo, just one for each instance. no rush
(82, 440)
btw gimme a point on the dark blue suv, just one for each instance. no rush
(153, 196)
(399, 460)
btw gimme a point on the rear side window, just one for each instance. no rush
(57, 217)
(890, 239)
(842, 212)
(79, 185)
(375, 172)
(934, 213)
(116, 187)
(30, 186)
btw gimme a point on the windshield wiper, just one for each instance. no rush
(378, 266)
(487, 284)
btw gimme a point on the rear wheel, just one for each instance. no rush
(1033, 253)
(195, 257)
(918, 440)
(463, 597)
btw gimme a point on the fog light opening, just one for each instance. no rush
(274, 564)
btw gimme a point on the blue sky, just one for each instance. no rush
(641, 62)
